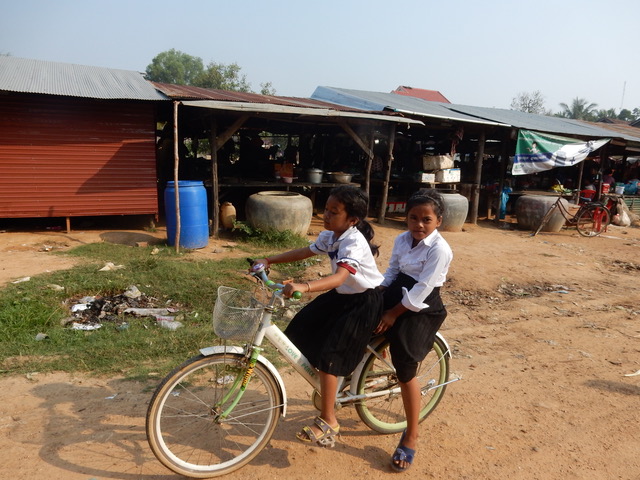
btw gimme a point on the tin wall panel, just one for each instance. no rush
(66, 157)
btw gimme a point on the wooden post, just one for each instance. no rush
(176, 164)
(504, 162)
(387, 177)
(215, 201)
(475, 189)
(369, 163)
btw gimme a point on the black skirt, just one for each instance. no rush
(413, 333)
(333, 330)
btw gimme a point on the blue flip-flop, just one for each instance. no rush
(402, 454)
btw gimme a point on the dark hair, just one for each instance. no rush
(356, 204)
(427, 196)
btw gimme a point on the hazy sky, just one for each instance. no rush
(480, 53)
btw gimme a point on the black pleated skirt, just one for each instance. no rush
(333, 330)
(413, 334)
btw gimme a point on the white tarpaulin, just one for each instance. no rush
(537, 152)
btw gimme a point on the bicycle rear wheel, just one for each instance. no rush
(593, 220)
(184, 426)
(385, 414)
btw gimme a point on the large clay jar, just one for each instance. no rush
(456, 208)
(227, 215)
(531, 208)
(274, 210)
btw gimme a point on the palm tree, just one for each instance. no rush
(580, 109)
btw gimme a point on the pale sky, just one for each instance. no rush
(480, 53)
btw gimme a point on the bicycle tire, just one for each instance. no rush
(545, 218)
(593, 220)
(183, 426)
(385, 414)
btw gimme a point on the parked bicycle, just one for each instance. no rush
(591, 218)
(214, 413)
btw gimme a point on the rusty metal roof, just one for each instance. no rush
(253, 102)
(429, 95)
(65, 79)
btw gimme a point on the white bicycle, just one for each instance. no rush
(214, 413)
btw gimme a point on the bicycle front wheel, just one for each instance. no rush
(185, 427)
(385, 413)
(593, 220)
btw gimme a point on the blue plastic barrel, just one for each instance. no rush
(194, 218)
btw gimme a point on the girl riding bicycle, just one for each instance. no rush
(332, 331)
(413, 309)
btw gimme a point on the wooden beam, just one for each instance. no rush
(176, 164)
(215, 194)
(387, 178)
(475, 189)
(230, 132)
(356, 138)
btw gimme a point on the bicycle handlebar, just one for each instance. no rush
(258, 270)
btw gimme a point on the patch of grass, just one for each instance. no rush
(269, 238)
(38, 306)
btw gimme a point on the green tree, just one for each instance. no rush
(626, 115)
(174, 66)
(267, 89)
(529, 103)
(611, 113)
(223, 77)
(580, 109)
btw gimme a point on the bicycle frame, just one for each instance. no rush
(294, 357)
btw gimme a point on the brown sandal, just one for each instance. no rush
(325, 439)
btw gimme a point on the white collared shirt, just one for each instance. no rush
(352, 250)
(427, 263)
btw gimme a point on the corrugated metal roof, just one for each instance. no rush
(380, 101)
(186, 92)
(540, 123)
(630, 133)
(464, 113)
(65, 79)
(256, 103)
(295, 110)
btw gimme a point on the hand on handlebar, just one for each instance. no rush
(294, 290)
(259, 270)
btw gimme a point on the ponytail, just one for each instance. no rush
(367, 230)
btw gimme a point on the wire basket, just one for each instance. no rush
(236, 314)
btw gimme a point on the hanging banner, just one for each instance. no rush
(537, 152)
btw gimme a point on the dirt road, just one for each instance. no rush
(544, 331)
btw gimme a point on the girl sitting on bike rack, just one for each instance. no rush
(332, 331)
(413, 309)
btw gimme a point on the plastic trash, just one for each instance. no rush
(85, 326)
(80, 307)
(110, 266)
(132, 292)
(169, 324)
(23, 279)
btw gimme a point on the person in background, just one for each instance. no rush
(608, 178)
(413, 310)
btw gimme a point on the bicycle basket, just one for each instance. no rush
(236, 314)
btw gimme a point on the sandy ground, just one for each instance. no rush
(545, 331)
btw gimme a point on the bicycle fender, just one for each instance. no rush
(208, 351)
(445, 343)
